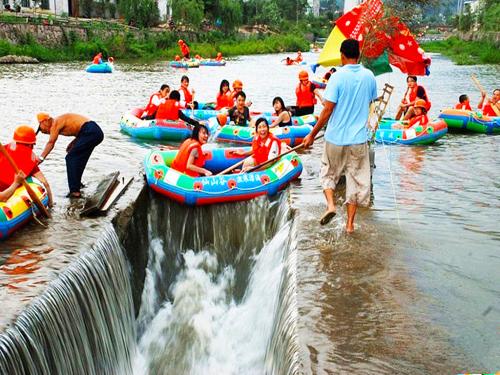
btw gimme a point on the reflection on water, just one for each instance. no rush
(414, 290)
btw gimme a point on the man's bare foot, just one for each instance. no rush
(349, 229)
(327, 216)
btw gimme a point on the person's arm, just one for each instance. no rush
(187, 119)
(54, 134)
(41, 177)
(278, 120)
(7, 193)
(318, 94)
(323, 119)
(192, 167)
(242, 153)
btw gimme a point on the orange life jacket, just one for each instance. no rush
(188, 97)
(224, 100)
(488, 110)
(411, 96)
(464, 106)
(184, 49)
(25, 160)
(151, 108)
(168, 110)
(419, 120)
(182, 157)
(262, 147)
(97, 59)
(305, 97)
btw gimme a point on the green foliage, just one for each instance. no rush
(466, 20)
(190, 12)
(230, 13)
(140, 13)
(490, 16)
(87, 6)
(465, 53)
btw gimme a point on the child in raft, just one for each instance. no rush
(463, 103)
(420, 118)
(190, 159)
(265, 146)
(284, 116)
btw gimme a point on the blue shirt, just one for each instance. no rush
(352, 88)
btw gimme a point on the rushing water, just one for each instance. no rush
(244, 288)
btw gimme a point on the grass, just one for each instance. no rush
(465, 52)
(152, 46)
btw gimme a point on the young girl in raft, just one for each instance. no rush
(284, 116)
(265, 146)
(224, 97)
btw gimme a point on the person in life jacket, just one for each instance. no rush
(171, 110)
(463, 103)
(224, 98)
(413, 92)
(21, 151)
(154, 102)
(420, 117)
(184, 48)
(240, 114)
(219, 56)
(284, 117)
(177, 58)
(328, 74)
(289, 61)
(265, 146)
(492, 106)
(190, 159)
(299, 58)
(97, 58)
(187, 96)
(238, 87)
(306, 93)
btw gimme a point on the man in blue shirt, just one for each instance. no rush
(347, 100)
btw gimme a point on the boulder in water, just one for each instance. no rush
(13, 59)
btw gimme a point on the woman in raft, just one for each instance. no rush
(190, 159)
(284, 116)
(224, 97)
(265, 146)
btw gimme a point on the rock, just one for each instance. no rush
(12, 59)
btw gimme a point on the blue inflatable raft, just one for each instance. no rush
(100, 68)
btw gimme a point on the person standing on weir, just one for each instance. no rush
(346, 108)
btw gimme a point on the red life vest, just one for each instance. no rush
(224, 100)
(151, 108)
(463, 106)
(419, 120)
(97, 59)
(182, 157)
(488, 110)
(25, 160)
(261, 147)
(185, 50)
(168, 110)
(412, 96)
(188, 97)
(305, 97)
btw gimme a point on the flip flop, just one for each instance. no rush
(74, 194)
(327, 217)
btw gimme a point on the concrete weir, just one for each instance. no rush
(82, 320)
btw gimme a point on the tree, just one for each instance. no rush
(188, 11)
(140, 13)
(230, 13)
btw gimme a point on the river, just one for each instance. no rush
(262, 288)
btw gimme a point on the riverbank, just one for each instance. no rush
(151, 46)
(464, 52)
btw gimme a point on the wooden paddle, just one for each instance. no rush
(229, 169)
(38, 203)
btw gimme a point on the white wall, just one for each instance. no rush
(349, 4)
(165, 11)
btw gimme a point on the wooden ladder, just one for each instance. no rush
(380, 107)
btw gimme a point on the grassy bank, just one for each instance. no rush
(464, 52)
(152, 46)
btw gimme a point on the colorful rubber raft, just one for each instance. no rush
(212, 62)
(389, 132)
(207, 114)
(100, 68)
(291, 135)
(470, 121)
(185, 64)
(17, 211)
(196, 191)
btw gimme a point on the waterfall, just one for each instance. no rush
(82, 324)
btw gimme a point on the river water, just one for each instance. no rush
(415, 290)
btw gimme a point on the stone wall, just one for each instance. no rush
(490, 36)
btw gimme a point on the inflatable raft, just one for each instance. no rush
(291, 135)
(210, 62)
(389, 131)
(185, 64)
(100, 68)
(458, 119)
(207, 114)
(17, 211)
(195, 191)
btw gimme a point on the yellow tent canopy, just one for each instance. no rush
(330, 55)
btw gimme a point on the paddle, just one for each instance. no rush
(280, 155)
(229, 169)
(38, 203)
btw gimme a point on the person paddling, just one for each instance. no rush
(490, 107)
(87, 136)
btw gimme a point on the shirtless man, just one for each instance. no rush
(87, 135)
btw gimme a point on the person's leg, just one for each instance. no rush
(409, 114)
(400, 113)
(357, 181)
(331, 166)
